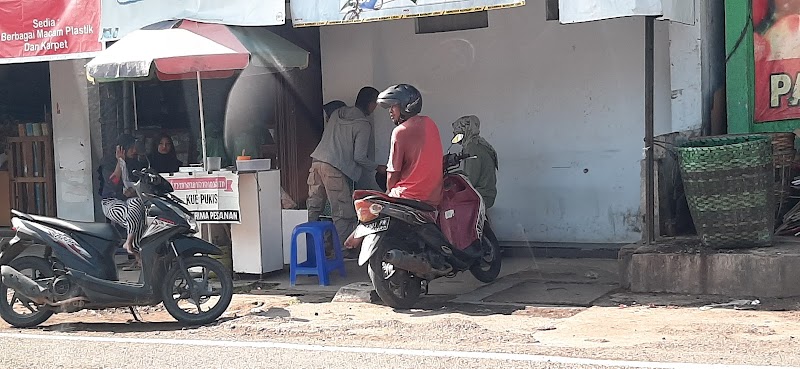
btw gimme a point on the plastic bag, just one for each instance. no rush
(286, 201)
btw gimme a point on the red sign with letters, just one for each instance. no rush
(39, 30)
(204, 183)
(776, 43)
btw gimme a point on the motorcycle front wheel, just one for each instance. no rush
(397, 288)
(199, 292)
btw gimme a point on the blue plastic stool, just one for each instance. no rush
(316, 263)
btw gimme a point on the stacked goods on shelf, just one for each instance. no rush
(31, 168)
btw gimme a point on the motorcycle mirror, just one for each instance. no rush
(458, 138)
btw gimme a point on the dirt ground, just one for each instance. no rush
(643, 331)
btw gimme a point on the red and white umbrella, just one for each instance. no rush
(186, 49)
(180, 49)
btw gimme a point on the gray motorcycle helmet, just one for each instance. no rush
(405, 95)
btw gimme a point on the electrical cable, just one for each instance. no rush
(748, 25)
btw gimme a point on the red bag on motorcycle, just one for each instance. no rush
(461, 212)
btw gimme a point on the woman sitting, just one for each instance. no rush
(120, 202)
(163, 158)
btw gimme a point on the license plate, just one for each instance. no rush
(379, 225)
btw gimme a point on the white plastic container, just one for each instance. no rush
(253, 165)
(190, 169)
(213, 163)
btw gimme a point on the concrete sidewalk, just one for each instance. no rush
(682, 265)
(522, 281)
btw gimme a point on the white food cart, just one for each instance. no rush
(250, 202)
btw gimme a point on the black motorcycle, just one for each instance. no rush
(77, 270)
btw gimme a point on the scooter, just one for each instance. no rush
(408, 243)
(77, 270)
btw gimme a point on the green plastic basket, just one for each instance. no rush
(729, 184)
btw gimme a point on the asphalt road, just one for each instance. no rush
(50, 350)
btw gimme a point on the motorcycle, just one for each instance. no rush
(77, 270)
(408, 243)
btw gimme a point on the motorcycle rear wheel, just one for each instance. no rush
(41, 269)
(177, 288)
(400, 289)
(487, 268)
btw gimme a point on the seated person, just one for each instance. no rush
(163, 158)
(415, 158)
(481, 171)
(120, 202)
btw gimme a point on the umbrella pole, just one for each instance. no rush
(135, 113)
(202, 120)
(207, 232)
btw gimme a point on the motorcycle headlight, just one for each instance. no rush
(188, 217)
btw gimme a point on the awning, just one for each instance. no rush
(575, 11)
(180, 49)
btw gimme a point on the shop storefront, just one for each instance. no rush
(237, 97)
(44, 134)
(564, 105)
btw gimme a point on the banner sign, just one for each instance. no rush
(33, 31)
(121, 17)
(776, 44)
(212, 198)
(321, 12)
(575, 11)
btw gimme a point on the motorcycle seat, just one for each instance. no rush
(418, 205)
(105, 231)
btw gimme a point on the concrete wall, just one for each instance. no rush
(562, 104)
(73, 150)
(697, 54)
(686, 69)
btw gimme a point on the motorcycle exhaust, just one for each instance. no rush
(417, 266)
(23, 285)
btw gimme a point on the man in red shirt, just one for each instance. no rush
(415, 159)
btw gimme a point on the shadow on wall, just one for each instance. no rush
(250, 114)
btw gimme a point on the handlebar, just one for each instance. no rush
(454, 160)
(152, 178)
(461, 157)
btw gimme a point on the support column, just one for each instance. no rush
(649, 83)
(72, 140)
(86, 118)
